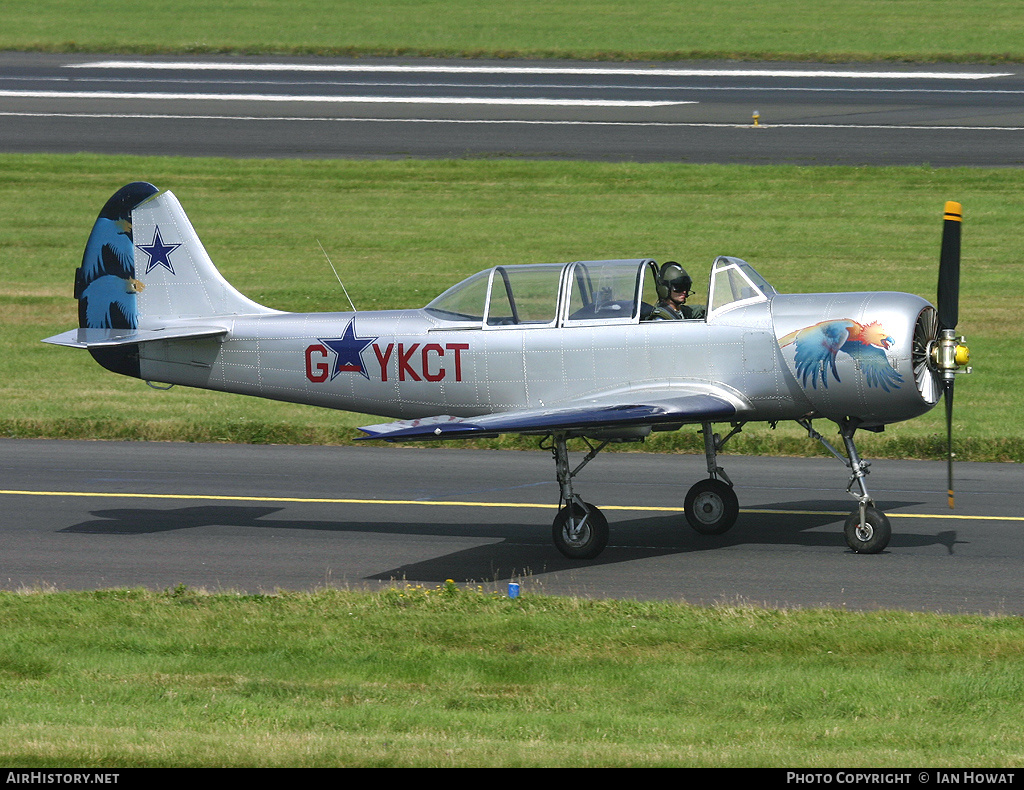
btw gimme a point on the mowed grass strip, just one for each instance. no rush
(400, 232)
(923, 30)
(462, 676)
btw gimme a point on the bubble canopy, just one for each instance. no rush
(564, 294)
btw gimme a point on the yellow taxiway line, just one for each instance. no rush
(459, 503)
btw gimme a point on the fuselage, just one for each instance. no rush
(506, 339)
(410, 364)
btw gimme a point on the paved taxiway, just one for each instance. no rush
(85, 515)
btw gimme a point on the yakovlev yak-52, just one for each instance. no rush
(560, 351)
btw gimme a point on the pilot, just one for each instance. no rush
(674, 286)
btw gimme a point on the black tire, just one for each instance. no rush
(711, 507)
(592, 537)
(871, 537)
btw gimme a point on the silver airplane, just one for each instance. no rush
(555, 350)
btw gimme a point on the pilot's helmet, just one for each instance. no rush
(674, 278)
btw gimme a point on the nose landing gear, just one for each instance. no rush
(867, 529)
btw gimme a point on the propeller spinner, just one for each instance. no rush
(948, 354)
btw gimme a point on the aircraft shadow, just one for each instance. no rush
(141, 521)
(646, 538)
(526, 548)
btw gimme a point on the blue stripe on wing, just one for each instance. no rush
(684, 408)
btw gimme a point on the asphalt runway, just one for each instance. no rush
(90, 515)
(892, 114)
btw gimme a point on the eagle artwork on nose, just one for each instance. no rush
(818, 346)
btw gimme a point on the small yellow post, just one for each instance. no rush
(757, 118)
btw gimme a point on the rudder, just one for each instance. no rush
(105, 284)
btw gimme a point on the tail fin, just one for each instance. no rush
(176, 278)
(145, 265)
(145, 275)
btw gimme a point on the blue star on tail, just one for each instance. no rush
(348, 351)
(159, 252)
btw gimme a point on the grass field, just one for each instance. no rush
(401, 232)
(457, 676)
(923, 30)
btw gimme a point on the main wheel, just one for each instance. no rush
(711, 507)
(586, 537)
(870, 537)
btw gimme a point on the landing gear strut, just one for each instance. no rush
(580, 530)
(711, 505)
(867, 529)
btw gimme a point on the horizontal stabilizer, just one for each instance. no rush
(107, 338)
(581, 419)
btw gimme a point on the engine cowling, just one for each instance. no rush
(860, 355)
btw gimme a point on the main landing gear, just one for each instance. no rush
(580, 530)
(711, 505)
(867, 529)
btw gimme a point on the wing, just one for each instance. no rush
(817, 345)
(875, 366)
(650, 408)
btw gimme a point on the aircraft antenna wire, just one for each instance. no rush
(343, 288)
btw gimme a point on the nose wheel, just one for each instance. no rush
(867, 533)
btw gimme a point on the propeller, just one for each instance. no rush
(949, 267)
(948, 352)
